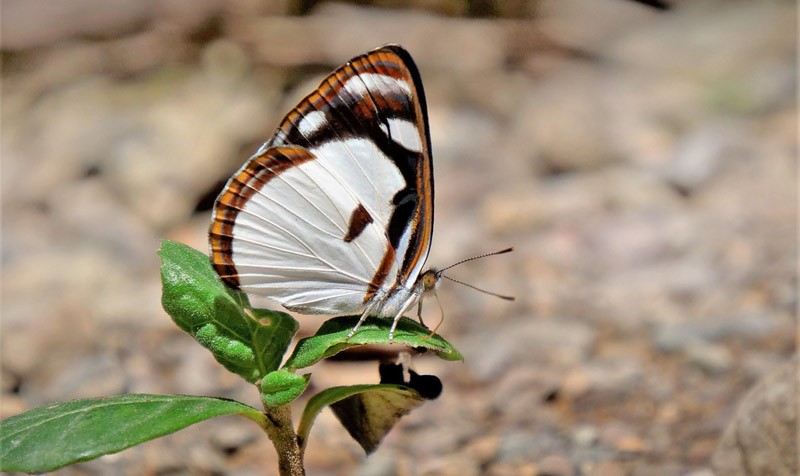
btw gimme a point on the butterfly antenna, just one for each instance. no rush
(490, 293)
(507, 250)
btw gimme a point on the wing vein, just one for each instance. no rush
(304, 244)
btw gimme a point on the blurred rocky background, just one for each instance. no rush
(642, 162)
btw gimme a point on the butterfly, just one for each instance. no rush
(334, 214)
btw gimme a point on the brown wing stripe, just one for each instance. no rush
(358, 221)
(248, 181)
(383, 62)
(380, 274)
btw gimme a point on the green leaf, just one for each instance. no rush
(368, 412)
(272, 338)
(331, 339)
(249, 342)
(281, 387)
(52, 436)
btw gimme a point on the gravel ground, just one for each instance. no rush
(641, 162)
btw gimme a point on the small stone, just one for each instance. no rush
(608, 468)
(668, 413)
(483, 449)
(671, 337)
(585, 435)
(555, 465)
(631, 444)
(378, 464)
(701, 472)
(204, 460)
(518, 446)
(504, 469)
(564, 102)
(563, 341)
(576, 383)
(230, 438)
(12, 405)
(699, 156)
(711, 358)
(614, 375)
(224, 60)
(621, 436)
(450, 465)
(91, 376)
(762, 438)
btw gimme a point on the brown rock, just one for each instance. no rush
(762, 438)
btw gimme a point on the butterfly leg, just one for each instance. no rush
(364, 316)
(419, 313)
(397, 319)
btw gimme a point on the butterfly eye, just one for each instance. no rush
(429, 280)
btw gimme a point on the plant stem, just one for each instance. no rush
(278, 427)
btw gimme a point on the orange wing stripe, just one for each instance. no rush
(249, 180)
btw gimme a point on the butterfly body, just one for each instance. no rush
(334, 214)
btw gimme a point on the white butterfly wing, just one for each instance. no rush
(336, 210)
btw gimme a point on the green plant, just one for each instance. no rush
(249, 342)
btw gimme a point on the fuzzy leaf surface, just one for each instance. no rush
(249, 342)
(51, 436)
(281, 387)
(331, 338)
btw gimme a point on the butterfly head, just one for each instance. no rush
(430, 280)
